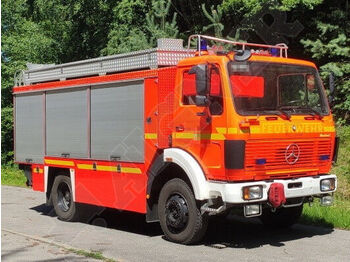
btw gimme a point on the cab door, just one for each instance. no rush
(200, 130)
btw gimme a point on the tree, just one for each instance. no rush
(157, 24)
(329, 45)
(128, 28)
(215, 19)
(138, 24)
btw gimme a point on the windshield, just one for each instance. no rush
(270, 88)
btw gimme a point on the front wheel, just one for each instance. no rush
(281, 217)
(179, 216)
(62, 199)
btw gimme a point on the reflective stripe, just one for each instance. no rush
(286, 129)
(59, 162)
(203, 136)
(288, 171)
(183, 135)
(329, 129)
(38, 171)
(151, 136)
(221, 130)
(232, 130)
(262, 129)
(130, 170)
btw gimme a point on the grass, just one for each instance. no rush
(91, 254)
(12, 176)
(337, 215)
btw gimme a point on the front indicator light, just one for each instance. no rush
(252, 192)
(327, 184)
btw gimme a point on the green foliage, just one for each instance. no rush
(342, 167)
(6, 134)
(127, 30)
(337, 215)
(215, 19)
(12, 176)
(157, 25)
(138, 24)
(329, 45)
(56, 31)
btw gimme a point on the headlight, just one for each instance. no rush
(252, 192)
(327, 184)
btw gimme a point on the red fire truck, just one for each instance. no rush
(178, 134)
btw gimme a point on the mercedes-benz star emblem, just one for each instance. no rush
(292, 154)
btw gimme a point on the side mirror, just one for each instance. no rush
(201, 72)
(331, 88)
(201, 100)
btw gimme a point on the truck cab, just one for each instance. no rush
(260, 127)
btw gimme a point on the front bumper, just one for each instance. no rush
(232, 192)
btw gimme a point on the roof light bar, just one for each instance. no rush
(278, 49)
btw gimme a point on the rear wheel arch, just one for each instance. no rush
(62, 197)
(50, 176)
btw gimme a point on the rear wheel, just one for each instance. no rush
(180, 218)
(62, 199)
(282, 217)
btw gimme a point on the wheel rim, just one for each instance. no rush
(176, 213)
(64, 197)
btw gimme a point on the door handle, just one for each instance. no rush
(179, 128)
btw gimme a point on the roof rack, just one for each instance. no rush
(281, 47)
(167, 53)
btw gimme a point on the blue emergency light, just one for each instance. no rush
(274, 51)
(203, 45)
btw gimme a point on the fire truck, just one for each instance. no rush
(178, 134)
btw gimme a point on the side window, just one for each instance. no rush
(188, 88)
(215, 91)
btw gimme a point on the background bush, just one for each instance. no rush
(59, 31)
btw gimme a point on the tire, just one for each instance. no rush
(282, 217)
(179, 216)
(62, 199)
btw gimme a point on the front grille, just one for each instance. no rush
(274, 150)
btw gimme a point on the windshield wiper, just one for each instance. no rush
(279, 112)
(285, 113)
(314, 112)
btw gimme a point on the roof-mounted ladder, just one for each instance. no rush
(167, 53)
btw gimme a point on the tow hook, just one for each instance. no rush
(210, 206)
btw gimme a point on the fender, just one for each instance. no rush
(192, 168)
(72, 180)
(157, 166)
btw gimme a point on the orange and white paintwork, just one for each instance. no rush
(123, 185)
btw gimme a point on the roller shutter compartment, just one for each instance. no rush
(29, 128)
(67, 123)
(117, 121)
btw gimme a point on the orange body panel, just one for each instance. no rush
(205, 140)
(170, 123)
(38, 177)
